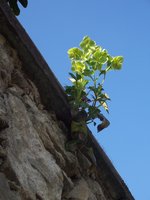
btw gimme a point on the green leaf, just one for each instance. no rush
(91, 88)
(14, 7)
(106, 96)
(24, 3)
(79, 76)
(99, 88)
(88, 72)
(72, 80)
(84, 105)
(92, 62)
(105, 106)
(68, 89)
(79, 127)
(72, 75)
(93, 112)
(82, 83)
(103, 97)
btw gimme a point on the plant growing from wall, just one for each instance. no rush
(89, 65)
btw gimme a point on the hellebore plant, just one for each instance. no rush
(90, 64)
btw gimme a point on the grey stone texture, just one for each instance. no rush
(34, 164)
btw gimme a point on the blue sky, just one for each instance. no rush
(123, 28)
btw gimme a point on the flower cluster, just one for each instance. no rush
(90, 64)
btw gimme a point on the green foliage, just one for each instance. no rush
(90, 64)
(14, 5)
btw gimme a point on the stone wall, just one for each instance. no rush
(33, 161)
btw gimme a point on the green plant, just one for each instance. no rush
(14, 5)
(90, 64)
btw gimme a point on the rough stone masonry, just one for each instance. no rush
(34, 164)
